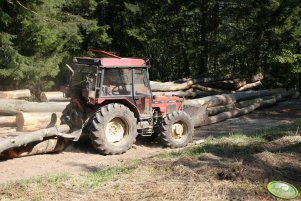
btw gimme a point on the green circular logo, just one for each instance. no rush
(282, 190)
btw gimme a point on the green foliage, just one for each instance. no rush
(181, 38)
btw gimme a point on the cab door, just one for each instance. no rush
(142, 92)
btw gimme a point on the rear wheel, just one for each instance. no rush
(113, 129)
(177, 129)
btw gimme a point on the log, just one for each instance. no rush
(242, 111)
(227, 84)
(37, 136)
(219, 109)
(186, 94)
(211, 111)
(12, 107)
(5, 130)
(169, 86)
(226, 99)
(25, 93)
(36, 121)
(201, 118)
(50, 145)
(207, 89)
(249, 86)
(7, 121)
(53, 96)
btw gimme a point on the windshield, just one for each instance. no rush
(117, 82)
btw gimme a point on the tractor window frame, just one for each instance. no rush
(112, 92)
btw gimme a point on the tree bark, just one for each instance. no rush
(169, 86)
(25, 93)
(8, 121)
(53, 144)
(226, 99)
(37, 136)
(12, 107)
(186, 94)
(207, 89)
(218, 109)
(36, 121)
(199, 113)
(249, 86)
(53, 96)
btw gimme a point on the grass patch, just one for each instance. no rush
(281, 130)
(57, 178)
(95, 178)
(236, 145)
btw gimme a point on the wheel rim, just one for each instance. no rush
(116, 130)
(179, 130)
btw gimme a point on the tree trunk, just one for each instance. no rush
(53, 96)
(186, 94)
(249, 86)
(53, 144)
(36, 121)
(207, 89)
(7, 121)
(169, 86)
(25, 93)
(199, 113)
(28, 138)
(12, 107)
(226, 99)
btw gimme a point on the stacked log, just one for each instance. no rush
(16, 94)
(213, 109)
(12, 107)
(54, 96)
(26, 121)
(200, 87)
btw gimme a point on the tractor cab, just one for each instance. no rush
(113, 79)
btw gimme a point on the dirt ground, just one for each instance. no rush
(79, 157)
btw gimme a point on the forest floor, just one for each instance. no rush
(230, 160)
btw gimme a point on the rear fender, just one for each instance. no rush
(124, 101)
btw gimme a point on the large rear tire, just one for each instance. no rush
(113, 129)
(177, 129)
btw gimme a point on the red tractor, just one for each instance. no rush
(111, 100)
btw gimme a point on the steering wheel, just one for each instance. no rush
(115, 90)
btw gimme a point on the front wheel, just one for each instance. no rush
(177, 129)
(113, 129)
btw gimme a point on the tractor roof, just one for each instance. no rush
(111, 61)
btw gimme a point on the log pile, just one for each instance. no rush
(200, 87)
(213, 109)
(17, 94)
(54, 96)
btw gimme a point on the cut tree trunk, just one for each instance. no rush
(53, 144)
(7, 121)
(25, 93)
(218, 109)
(186, 94)
(207, 89)
(201, 118)
(169, 86)
(53, 96)
(12, 107)
(28, 138)
(226, 99)
(249, 86)
(36, 121)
